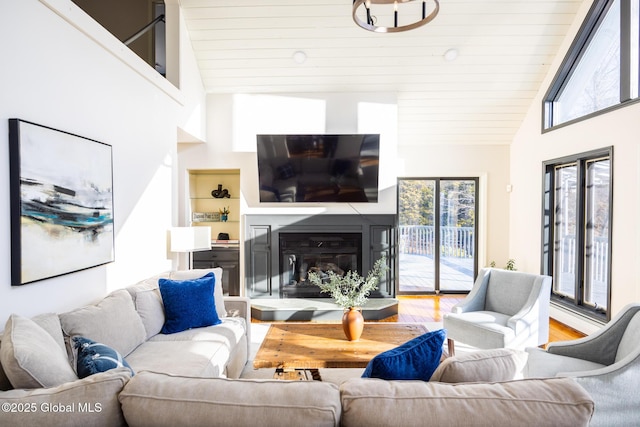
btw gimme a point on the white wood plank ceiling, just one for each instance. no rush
(504, 48)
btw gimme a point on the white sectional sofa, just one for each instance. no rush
(190, 378)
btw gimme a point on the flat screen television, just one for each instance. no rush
(318, 168)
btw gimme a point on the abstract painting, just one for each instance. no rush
(61, 190)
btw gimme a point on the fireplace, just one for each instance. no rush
(301, 253)
(279, 250)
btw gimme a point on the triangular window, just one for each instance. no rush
(600, 70)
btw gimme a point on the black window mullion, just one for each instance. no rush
(436, 231)
(580, 232)
(548, 218)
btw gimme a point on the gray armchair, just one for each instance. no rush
(505, 309)
(605, 363)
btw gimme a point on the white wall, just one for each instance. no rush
(54, 74)
(530, 148)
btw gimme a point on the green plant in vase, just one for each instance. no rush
(351, 292)
(224, 214)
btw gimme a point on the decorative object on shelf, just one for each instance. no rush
(220, 193)
(363, 14)
(205, 217)
(224, 214)
(351, 292)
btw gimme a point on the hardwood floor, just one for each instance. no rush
(430, 308)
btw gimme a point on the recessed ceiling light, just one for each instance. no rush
(451, 54)
(299, 57)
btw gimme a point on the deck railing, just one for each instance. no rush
(598, 253)
(456, 242)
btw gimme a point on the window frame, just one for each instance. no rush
(437, 226)
(585, 35)
(548, 231)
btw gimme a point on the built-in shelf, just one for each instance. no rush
(202, 182)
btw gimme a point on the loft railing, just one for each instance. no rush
(142, 31)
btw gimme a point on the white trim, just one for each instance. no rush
(94, 31)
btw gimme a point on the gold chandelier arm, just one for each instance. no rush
(382, 29)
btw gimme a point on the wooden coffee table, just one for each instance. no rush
(323, 345)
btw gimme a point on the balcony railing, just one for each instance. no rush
(455, 242)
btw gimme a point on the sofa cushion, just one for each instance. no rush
(113, 321)
(543, 364)
(188, 303)
(50, 322)
(218, 294)
(95, 357)
(148, 301)
(5, 384)
(31, 358)
(555, 402)
(416, 359)
(501, 364)
(154, 399)
(149, 307)
(229, 332)
(206, 359)
(92, 401)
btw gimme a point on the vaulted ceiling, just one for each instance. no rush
(504, 49)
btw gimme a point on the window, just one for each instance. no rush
(601, 69)
(576, 246)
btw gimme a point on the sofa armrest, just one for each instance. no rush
(91, 401)
(475, 299)
(237, 306)
(601, 346)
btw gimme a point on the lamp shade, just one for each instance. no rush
(190, 239)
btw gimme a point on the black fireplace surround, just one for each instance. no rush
(282, 249)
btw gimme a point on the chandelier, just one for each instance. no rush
(385, 17)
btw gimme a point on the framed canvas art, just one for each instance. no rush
(61, 191)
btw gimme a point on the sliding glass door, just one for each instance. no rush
(437, 230)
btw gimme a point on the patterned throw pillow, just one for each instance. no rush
(94, 357)
(188, 303)
(416, 359)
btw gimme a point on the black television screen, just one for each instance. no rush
(318, 168)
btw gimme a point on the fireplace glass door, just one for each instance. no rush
(301, 253)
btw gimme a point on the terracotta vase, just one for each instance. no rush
(353, 323)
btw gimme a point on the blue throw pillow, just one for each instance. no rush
(188, 303)
(94, 357)
(414, 360)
